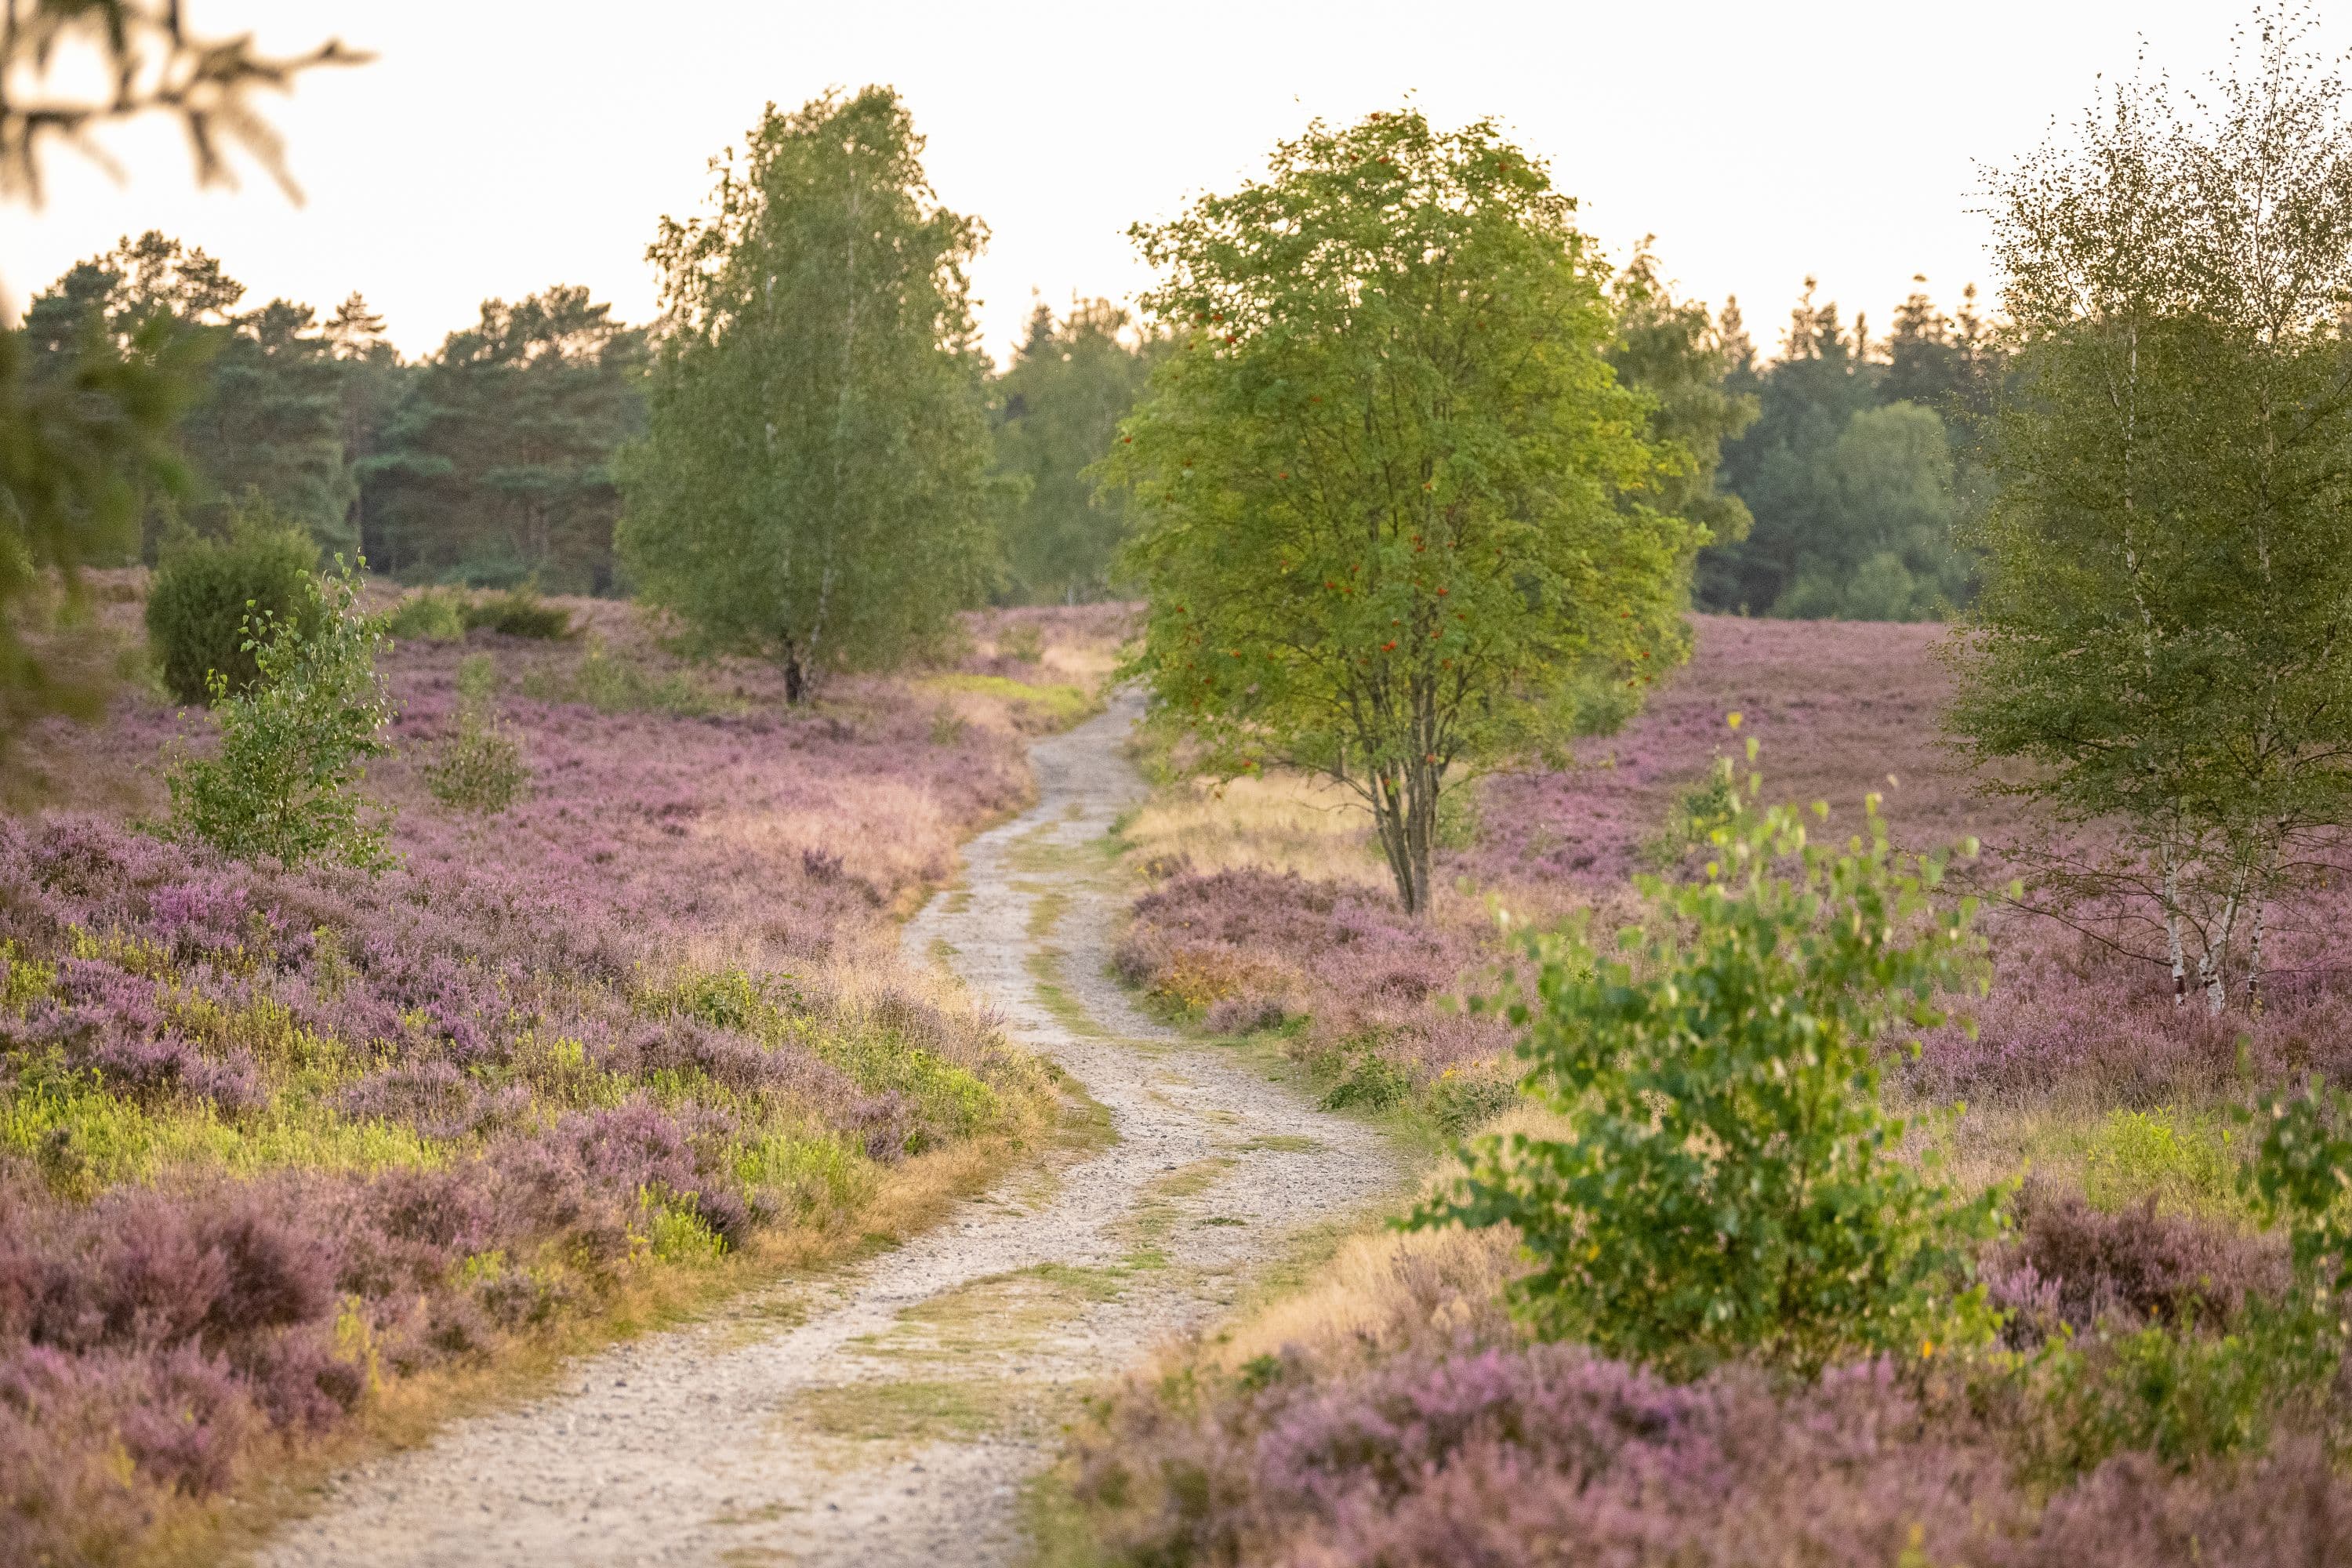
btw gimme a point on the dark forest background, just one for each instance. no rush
(488, 462)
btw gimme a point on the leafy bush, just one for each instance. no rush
(294, 748)
(2302, 1177)
(1730, 1180)
(429, 617)
(479, 767)
(206, 588)
(519, 612)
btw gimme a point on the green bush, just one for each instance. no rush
(204, 590)
(428, 617)
(295, 745)
(2300, 1177)
(479, 767)
(520, 612)
(1730, 1181)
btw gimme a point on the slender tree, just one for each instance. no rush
(814, 484)
(1394, 508)
(2163, 634)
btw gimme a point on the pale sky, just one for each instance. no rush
(498, 146)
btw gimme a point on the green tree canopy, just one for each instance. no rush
(1393, 507)
(494, 465)
(268, 422)
(1856, 508)
(2162, 631)
(814, 479)
(1057, 410)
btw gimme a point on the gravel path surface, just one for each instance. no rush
(889, 1412)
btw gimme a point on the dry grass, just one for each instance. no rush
(1281, 823)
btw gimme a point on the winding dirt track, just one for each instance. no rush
(887, 1413)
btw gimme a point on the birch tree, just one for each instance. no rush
(812, 484)
(2163, 633)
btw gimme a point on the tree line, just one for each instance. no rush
(486, 462)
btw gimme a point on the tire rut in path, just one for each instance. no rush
(889, 1412)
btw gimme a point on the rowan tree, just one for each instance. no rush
(1396, 516)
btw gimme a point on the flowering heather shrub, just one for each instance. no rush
(1500, 1457)
(1250, 948)
(2069, 1266)
(269, 1139)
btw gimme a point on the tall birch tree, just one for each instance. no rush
(2165, 634)
(813, 483)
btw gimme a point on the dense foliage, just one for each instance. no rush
(812, 484)
(267, 423)
(1394, 512)
(1728, 1183)
(1862, 463)
(494, 465)
(206, 591)
(2161, 637)
(1057, 409)
(294, 746)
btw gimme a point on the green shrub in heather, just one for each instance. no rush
(206, 588)
(1730, 1183)
(479, 767)
(2301, 1180)
(294, 748)
(433, 615)
(519, 612)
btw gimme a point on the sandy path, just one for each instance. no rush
(889, 1412)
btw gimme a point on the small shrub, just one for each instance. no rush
(204, 592)
(429, 617)
(1022, 640)
(2301, 1178)
(294, 749)
(519, 612)
(2178, 1162)
(480, 767)
(1694, 817)
(1730, 1181)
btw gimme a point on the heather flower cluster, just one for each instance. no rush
(1497, 1457)
(271, 1141)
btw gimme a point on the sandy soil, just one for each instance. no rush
(890, 1413)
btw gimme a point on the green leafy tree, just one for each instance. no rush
(268, 422)
(2161, 635)
(1057, 408)
(294, 747)
(495, 467)
(1394, 511)
(1881, 547)
(814, 484)
(1728, 1182)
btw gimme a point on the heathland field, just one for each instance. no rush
(292, 1154)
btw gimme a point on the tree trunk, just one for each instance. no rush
(2254, 957)
(2172, 928)
(796, 680)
